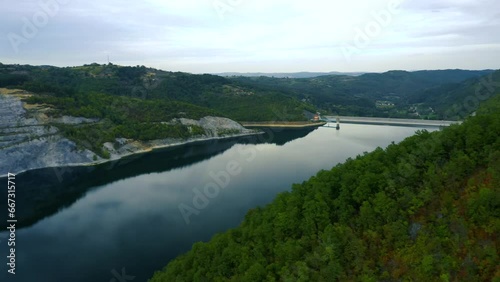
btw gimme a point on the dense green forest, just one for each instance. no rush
(419, 94)
(219, 94)
(389, 94)
(426, 209)
(457, 100)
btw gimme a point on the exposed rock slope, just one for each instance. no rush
(29, 139)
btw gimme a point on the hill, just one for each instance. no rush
(397, 94)
(425, 209)
(457, 100)
(216, 93)
(372, 94)
(288, 74)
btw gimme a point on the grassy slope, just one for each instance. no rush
(425, 209)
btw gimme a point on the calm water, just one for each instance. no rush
(80, 224)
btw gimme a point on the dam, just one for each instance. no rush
(390, 121)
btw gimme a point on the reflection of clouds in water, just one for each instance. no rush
(376, 135)
(273, 169)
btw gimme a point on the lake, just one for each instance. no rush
(133, 216)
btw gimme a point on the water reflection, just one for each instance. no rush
(128, 217)
(45, 191)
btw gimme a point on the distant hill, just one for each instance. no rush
(458, 100)
(215, 93)
(397, 94)
(372, 94)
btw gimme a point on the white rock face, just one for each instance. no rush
(74, 120)
(214, 126)
(27, 142)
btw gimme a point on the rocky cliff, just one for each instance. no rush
(30, 139)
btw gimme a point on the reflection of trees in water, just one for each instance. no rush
(43, 192)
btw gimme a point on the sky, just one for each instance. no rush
(214, 36)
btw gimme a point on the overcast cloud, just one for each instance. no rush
(254, 35)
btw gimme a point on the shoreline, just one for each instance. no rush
(260, 125)
(143, 151)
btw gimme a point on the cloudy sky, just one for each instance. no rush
(207, 36)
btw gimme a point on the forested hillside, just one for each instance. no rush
(426, 209)
(420, 94)
(216, 93)
(457, 100)
(121, 117)
(372, 94)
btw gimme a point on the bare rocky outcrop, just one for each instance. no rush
(28, 142)
(29, 139)
(214, 127)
